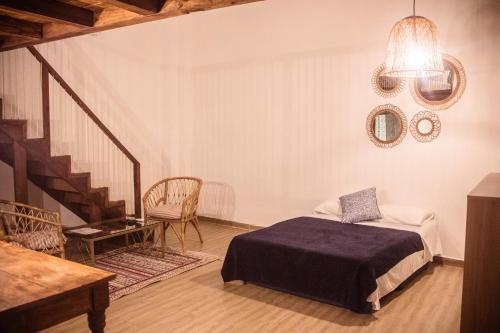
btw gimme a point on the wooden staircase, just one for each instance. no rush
(53, 175)
(31, 159)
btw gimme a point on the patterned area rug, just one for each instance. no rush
(136, 268)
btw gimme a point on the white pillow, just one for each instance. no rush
(405, 214)
(329, 207)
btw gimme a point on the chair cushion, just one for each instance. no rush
(16, 244)
(166, 211)
(38, 240)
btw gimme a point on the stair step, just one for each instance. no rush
(99, 194)
(6, 150)
(4, 138)
(99, 197)
(116, 203)
(75, 183)
(82, 179)
(41, 146)
(38, 168)
(118, 210)
(59, 184)
(62, 160)
(114, 209)
(77, 209)
(37, 149)
(17, 129)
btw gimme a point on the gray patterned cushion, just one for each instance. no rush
(38, 240)
(360, 206)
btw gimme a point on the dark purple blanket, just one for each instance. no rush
(337, 263)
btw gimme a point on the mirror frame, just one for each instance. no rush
(425, 137)
(456, 94)
(400, 83)
(371, 117)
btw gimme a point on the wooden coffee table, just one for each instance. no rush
(110, 229)
(38, 291)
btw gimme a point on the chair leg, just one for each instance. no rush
(162, 240)
(177, 234)
(197, 227)
(183, 236)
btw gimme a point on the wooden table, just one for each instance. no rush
(113, 228)
(38, 291)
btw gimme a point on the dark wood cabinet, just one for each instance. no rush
(481, 288)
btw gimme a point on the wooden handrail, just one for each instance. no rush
(47, 68)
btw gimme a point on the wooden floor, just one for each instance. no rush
(198, 301)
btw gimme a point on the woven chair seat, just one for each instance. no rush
(166, 212)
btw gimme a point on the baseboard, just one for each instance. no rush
(448, 261)
(228, 223)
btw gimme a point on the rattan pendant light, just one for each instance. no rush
(413, 49)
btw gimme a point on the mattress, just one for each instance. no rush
(348, 265)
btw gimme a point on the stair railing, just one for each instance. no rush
(48, 71)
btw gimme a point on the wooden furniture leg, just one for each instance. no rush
(97, 321)
(92, 251)
(100, 301)
(183, 236)
(162, 238)
(20, 173)
(194, 221)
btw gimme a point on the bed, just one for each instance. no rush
(347, 265)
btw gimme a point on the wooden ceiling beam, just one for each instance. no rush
(142, 7)
(51, 10)
(14, 27)
(112, 17)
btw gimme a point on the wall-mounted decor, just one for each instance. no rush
(442, 91)
(386, 126)
(386, 86)
(414, 49)
(425, 126)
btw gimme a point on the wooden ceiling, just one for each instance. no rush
(30, 22)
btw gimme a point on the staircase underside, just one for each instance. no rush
(53, 175)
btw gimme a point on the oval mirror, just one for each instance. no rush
(386, 126)
(442, 91)
(425, 126)
(386, 86)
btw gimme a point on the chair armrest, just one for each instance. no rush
(189, 206)
(154, 196)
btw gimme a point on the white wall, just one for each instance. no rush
(281, 91)
(267, 103)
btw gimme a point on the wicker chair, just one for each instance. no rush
(173, 201)
(31, 227)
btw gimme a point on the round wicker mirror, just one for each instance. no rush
(386, 126)
(425, 126)
(386, 86)
(442, 91)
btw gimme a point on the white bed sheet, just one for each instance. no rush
(429, 233)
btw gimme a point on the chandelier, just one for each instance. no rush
(413, 49)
